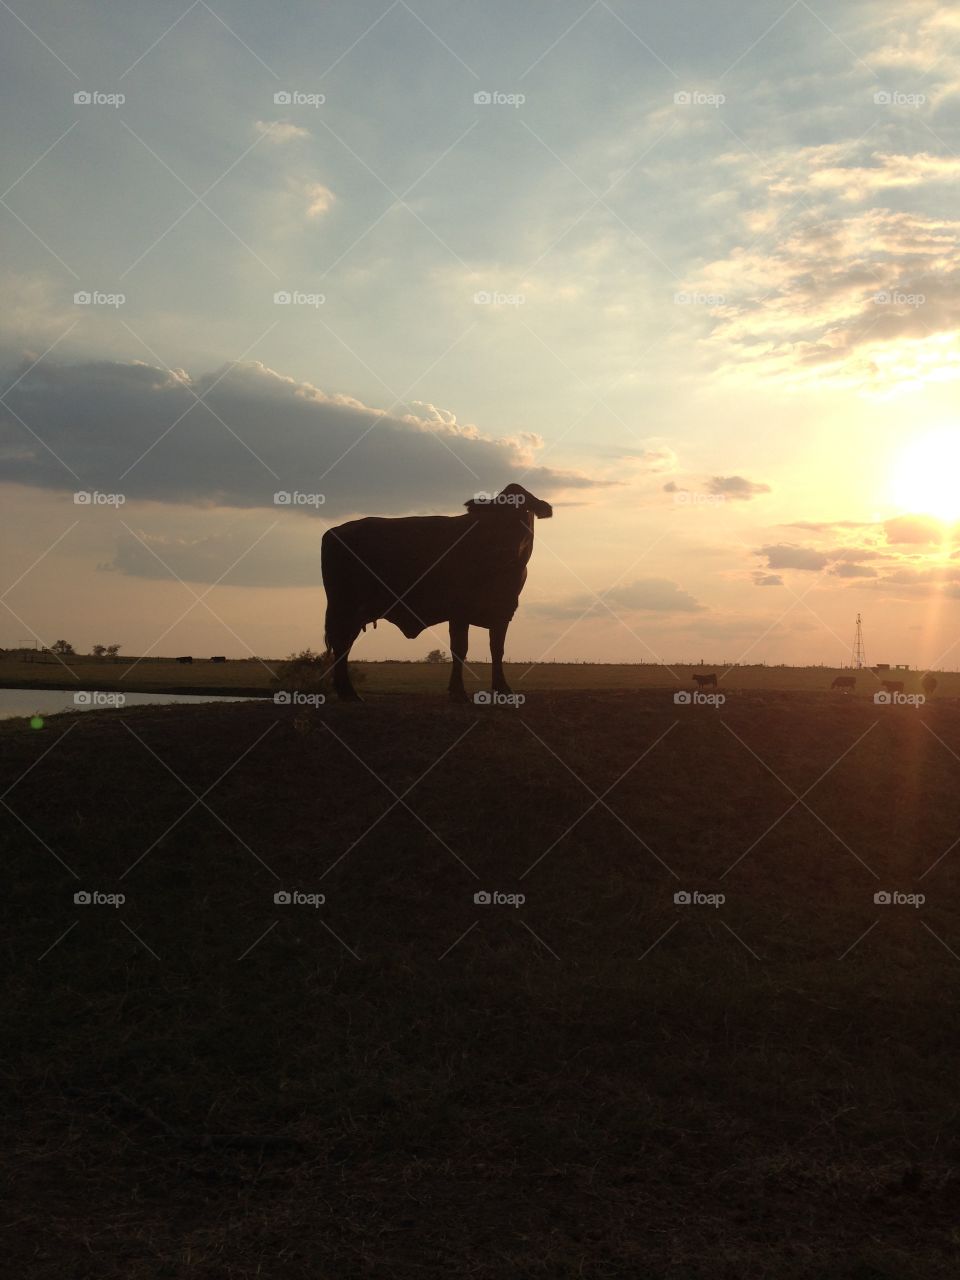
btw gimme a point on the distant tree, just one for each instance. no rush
(436, 655)
(99, 650)
(63, 647)
(113, 650)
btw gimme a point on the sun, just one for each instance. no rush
(925, 477)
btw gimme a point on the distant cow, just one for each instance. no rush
(185, 659)
(928, 684)
(218, 659)
(417, 571)
(844, 682)
(706, 682)
(893, 686)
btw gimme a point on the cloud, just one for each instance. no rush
(913, 529)
(280, 131)
(142, 431)
(250, 555)
(767, 579)
(319, 199)
(643, 595)
(736, 487)
(847, 570)
(788, 556)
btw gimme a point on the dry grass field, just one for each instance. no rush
(599, 1082)
(255, 676)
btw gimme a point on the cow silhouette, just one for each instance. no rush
(707, 681)
(844, 682)
(928, 684)
(893, 686)
(417, 571)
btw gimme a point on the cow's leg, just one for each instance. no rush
(459, 637)
(498, 636)
(341, 640)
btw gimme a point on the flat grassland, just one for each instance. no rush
(600, 1082)
(256, 676)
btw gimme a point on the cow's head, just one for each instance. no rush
(515, 499)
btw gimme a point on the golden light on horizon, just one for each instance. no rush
(925, 477)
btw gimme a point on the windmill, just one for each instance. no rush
(859, 656)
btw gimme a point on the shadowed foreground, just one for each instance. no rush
(599, 1082)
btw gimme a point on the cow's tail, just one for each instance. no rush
(329, 563)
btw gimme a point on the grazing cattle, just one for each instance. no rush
(928, 684)
(220, 658)
(893, 686)
(844, 682)
(185, 659)
(417, 571)
(706, 682)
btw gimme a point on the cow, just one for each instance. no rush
(928, 684)
(706, 682)
(893, 686)
(184, 659)
(844, 682)
(417, 571)
(219, 658)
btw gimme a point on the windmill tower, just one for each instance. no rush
(859, 656)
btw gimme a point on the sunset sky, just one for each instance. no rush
(689, 272)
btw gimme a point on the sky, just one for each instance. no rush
(688, 272)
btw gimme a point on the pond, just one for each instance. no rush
(50, 702)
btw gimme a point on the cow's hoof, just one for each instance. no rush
(458, 695)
